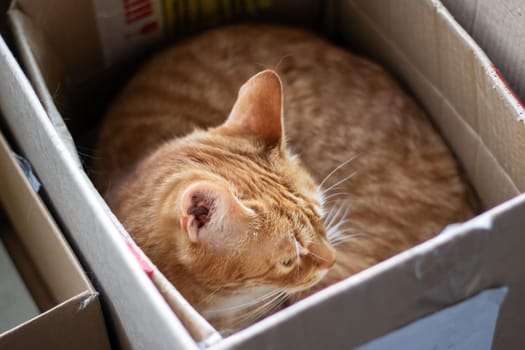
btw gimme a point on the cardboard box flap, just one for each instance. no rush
(38, 232)
(60, 327)
(462, 109)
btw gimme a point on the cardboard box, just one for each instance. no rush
(56, 307)
(464, 274)
(499, 29)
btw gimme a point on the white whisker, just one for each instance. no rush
(332, 214)
(335, 222)
(266, 307)
(281, 61)
(338, 233)
(336, 169)
(347, 238)
(271, 294)
(336, 227)
(208, 297)
(334, 232)
(273, 305)
(332, 195)
(334, 217)
(263, 309)
(319, 257)
(339, 182)
(297, 247)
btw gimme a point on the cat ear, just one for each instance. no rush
(212, 214)
(258, 109)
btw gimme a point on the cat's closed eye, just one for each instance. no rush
(288, 262)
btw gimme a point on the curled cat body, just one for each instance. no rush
(246, 197)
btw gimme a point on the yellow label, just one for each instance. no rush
(184, 16)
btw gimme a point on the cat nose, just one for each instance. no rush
(324, 254)
(329, 260)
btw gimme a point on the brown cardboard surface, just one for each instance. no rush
(455, 83)
(499, 28)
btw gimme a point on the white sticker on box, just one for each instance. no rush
(127, 26)
(466, 325)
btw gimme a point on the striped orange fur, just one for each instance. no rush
(239, 197)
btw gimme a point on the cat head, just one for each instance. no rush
(236, 215)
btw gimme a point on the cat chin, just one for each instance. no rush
(320, 276)
(238, 301)
(234, 311)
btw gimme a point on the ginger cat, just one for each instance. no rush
(318, 171)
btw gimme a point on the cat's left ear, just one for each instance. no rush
(213, 215)
(258, 110)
